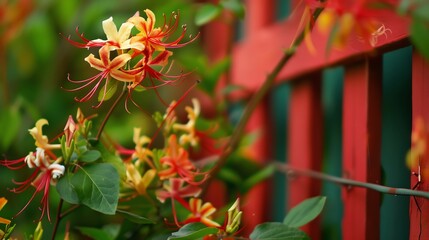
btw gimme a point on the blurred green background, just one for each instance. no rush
(35, 62)
(36, 59)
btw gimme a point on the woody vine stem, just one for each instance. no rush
(256, 99)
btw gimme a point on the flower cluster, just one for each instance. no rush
(171, 172)
(46, 164)
(340, 19)
(140, 61)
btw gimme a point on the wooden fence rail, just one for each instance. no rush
(255, 55)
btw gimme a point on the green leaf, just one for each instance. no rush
(232, 88)
(305, 212)
(111, 87)
(139, 88)
(207, 13)
(10, 119)
(229, 175)
(277, 231)
(109, 156)
(94, 233)
(422, 12)
(258, 177)
(420, 36)
(235, 6)
(97, 186)
(90, 156)
(192, 231)
(135, 218)
(66, 189)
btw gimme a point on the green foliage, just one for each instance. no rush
(108, 90)
(420, 34)
(11, 120)
(95, 185)
(95, 233)
(89, 156)
(192, 231)
(235, 6)
(297, 217)
(134, 217)
(305, 212)
(207, 13)
(277, 231)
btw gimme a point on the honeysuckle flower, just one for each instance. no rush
(117, 39)
(419, 141)
(348, 17)
(174, 189)
(3, 202)
(142, 152)
(176, 162)
(108, 69)
(152, 37)
(136, 181)
(69, 130)
(190, 136)
(42, 141)
(42, 178)
(201, 212)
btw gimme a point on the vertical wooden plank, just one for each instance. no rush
(419, 220)
(256, 207)
(305, 142)
(259, 15)
(361, 148)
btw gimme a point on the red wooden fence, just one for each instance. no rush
(254, 57)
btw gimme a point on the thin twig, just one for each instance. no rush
(58, 219)
(286, 168)
(103, 123)
(256, 99)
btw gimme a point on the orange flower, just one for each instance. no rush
(152, 37)
(201, 212)
(340, 18)
(3, 202)
(108, 68)
(177, 162)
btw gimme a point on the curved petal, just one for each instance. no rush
(124, 32)
(119, 61)
(95, 62)
(122, 76)
(110, 29)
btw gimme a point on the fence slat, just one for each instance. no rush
(361, 148)
(260, 15)
(420, 93)
(256, 202)
(305, 142)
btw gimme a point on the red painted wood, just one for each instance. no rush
(254, 57)
(256, 204)
(361, 148)
(259, 16)
(305, 142)
(420, 95)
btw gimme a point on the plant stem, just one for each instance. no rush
(109, 113)
(232, 145)
(286, 168)
(58, 219)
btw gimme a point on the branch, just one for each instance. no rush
(290, 170)
(257, 97)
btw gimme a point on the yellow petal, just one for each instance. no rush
(110, 29)
(95, 62)
(4, 221)
(3, 202)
